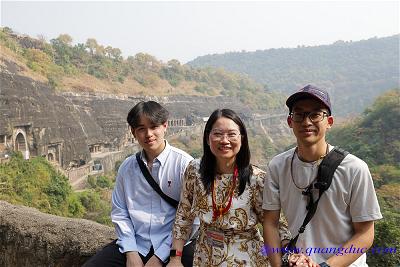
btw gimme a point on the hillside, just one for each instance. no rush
(37, 183)
(354, 72)
(91, 67)
(374, 137)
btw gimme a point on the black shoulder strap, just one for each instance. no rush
(324, 179)
(328, 167)
(153, 183)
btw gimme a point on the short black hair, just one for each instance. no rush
(156, 113)
(208, 168)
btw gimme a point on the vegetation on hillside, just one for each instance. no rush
(60, 59)
(36, 183)
(354, 72)
(374, 137)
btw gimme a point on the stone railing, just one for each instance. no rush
(31, 238)
(76, 173)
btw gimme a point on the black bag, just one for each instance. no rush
(324, 179)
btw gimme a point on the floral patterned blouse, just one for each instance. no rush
(242, 240)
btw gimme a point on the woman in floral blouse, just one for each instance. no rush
(225, 192)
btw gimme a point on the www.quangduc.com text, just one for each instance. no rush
(338, 251)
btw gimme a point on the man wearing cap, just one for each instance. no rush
(342, 228)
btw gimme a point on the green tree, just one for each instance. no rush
(65, 39)
(116, 54)
(92, 45)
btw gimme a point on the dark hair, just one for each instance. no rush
(156, 113)
(208, 168)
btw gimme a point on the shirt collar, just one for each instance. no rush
(162, 158)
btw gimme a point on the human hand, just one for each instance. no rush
(154, 261)
(133, 259)
(301, 260)
(175, 262)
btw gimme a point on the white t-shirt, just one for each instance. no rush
(350, 198)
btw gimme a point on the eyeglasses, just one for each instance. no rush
(233, 136)
(315, 116)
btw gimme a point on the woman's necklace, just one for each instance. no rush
(219, 209)
(291, 168)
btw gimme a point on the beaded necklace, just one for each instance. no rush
(219, 209)
(291, 168)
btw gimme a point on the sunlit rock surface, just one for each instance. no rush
(31, 238)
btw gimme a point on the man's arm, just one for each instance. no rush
(154, 261)
(121, 220)
(362, 238)
(133, 259)
(271, 236)
(363, 204)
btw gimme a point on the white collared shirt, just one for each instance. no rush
(142, 218)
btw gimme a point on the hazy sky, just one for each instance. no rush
(184, 30)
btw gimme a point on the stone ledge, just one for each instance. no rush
(29, 237)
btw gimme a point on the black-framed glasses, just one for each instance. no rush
(314, 116)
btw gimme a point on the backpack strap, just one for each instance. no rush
(328, 167)
(153, 183)
(324, 179)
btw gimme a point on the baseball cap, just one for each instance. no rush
(309, 91)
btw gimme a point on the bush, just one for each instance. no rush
(97, 208)
(90, 200)
(387, 236)
(91, 181)
(9, 42)
(103, 182)
(35, 183)
(75, 207)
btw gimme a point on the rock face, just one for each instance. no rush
(53, 125)
(31, 238)
(68, 128)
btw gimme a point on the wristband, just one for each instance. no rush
(174, 252)
(324, 264)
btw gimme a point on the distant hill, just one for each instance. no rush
(354, 72)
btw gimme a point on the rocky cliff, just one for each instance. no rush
(67, 127)
(49, 119)
(31, 238)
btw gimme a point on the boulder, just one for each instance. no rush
(29, 237)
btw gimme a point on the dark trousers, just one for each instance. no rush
(110, 256)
